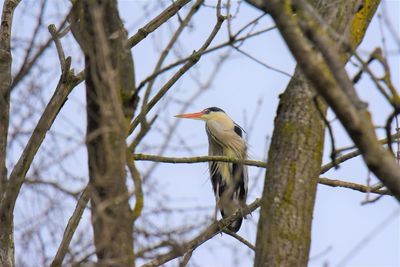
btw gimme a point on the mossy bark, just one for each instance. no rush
(283, 237)
(284, 228)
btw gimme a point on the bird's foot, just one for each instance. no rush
(244, 211)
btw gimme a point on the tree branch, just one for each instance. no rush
(156, 22)
(240, 239)
(52, 109)
(71, 228)
(353, 154)
(212, 49)
(353, 186)
(194, 58)
(206, 235)
(261, 164)
(156, 158)
(332, 83)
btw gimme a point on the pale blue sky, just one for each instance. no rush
(340, 222)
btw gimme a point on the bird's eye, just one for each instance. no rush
(206, 111)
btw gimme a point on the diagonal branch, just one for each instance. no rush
(324, 70)
(156, 22)
(29, 63)
(204, 236)
(353, 154)
(194, 58)
(234, 40)
(52, 109)
(71, 228)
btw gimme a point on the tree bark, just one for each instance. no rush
(109, 91)
(284, 228)
(6, 214)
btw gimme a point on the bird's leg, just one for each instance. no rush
(216, 202)
(215, 212)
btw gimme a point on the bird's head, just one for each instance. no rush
(212, 113)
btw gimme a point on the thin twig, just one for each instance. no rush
(354, 154)
(240, 239)
(27, 67)
(212, 49)
(195, 57)
(60, 51)
(354, 186)
(167, 49)
(260, 62)
(330, 130)
(372, 76)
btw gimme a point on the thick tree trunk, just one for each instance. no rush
(283, 237)
(109, 88)
(284, 228)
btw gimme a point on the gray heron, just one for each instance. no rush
(229, 180)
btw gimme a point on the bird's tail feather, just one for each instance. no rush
(235, 226)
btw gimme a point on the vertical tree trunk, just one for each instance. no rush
(109, 88)
(6, 211)
(284, 228)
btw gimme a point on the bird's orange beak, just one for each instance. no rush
(196, 115)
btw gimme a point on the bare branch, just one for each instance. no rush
(71, 228)
(212, 49)
(194, 58)
(19, 171)
(156, 158)
(325, 71)
(261, 63)
(55, 185)
(157, 22)
(204, 236)
(240, 239)
(353, 154)
(167, 49)
(28, 65)
(260, 164)
(330, 130)
(354, 186)
(60, 51)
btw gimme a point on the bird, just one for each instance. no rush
(229, 180)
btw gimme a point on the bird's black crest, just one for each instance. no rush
(214, 109)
